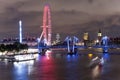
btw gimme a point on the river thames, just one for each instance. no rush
(60, 66)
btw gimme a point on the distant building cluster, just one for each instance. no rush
(30, 41)
(115, 40)
(27, 39)
(88, 42)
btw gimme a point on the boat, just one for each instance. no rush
(96, 61)
(20, 58)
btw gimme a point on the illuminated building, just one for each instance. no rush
(99, 35)
(57, 37)
(86, 36)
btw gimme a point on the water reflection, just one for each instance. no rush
(106, 67)
(46, 69)
(72, 57)
(103, 67)
(21, 70)
(71, 68)
(96, 71)
(106, 56)
(62, 67)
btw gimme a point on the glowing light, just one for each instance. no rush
(18, 67)
(94, 59)
(100, 34)
(20, 23)
(47, 25)
(106, 56)
(30, 50)
(38, 39)
(97, 41)
(1, 53)
(105, 42)
(68, 57)
(47, 53)
(73, 55)
(48, 57)
(21, 68)
(24, 57)
(20, 31)
(86, 36)
(102, 61)
(90, 55)
(95, 71)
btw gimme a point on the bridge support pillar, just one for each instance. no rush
(105, 44)
(105, 49)
(71, 43)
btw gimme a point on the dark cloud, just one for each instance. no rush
(90, 1)
(68, 17)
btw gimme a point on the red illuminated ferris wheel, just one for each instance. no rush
(46, 25)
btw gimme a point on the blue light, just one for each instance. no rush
(20, 71)
(68, 56)
(106, 56)
(73, 55)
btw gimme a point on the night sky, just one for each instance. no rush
(69, 17)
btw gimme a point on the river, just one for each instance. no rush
(60, 66)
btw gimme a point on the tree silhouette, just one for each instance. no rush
(13, 47)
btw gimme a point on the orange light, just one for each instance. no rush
(90, 55)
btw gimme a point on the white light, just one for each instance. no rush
(48, 52)
(94, 58)
(24, 57)
(97, 41)
(30, 50)
(38, 39)
(20, 23)
(95, 71)
(20, 31)
(102, 61)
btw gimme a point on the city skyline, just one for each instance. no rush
(73, 17)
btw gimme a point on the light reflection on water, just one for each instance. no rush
(106, 56)
(21, 70)
(98, 70)
(95, 71)
(60, 67)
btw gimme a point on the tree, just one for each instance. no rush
(2, 48)
(13, 47)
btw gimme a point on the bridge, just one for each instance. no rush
(44, 41)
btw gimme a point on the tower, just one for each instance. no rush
(20, 31)
(99, 37)
(86, 38)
